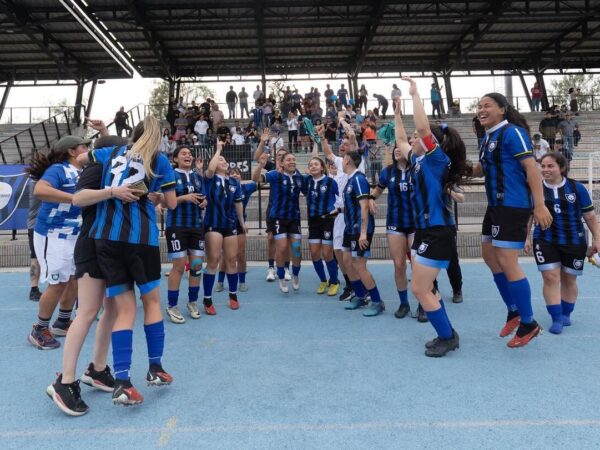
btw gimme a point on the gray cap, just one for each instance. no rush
(67, 142)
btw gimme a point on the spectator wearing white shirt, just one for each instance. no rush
(258, 94)
(201, 129)
(235, 126)
(238, 137)
(540, 146)
(292, 126)
(276, 143)
(396, 92)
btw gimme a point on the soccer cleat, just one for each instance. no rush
(283, 286)
(333, 289)
(271, 274)
(174, 314)
(60, 328)
(439, 347)
(347, 294)
(402, 312)
(125, 394)
(512, 322)
(296, 282)
(557, 327)
(233, 301)
(566, 320)
(525, 333)
(288, 275)
(457, 297)
(322, 287)
(432, 343)
(102, 379)
(243, 287)
(421, 315)
(356, 303)
(67, 397)
(157, 376)
(374, 309)
(219, 287)
(42, 339)
(35, 295)
(210, 309)
(192, 308)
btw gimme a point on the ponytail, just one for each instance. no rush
(41, 161)
(146, 141)
(454, 147)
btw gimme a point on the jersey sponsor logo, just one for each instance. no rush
(422, 248)
(571, 197)
(492, 146)
(577, 263)
(495, 230)
(327, 235)
(392, 228)
(55, 277)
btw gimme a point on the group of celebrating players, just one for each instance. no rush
(96, 234)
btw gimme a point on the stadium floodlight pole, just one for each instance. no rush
(105, 40)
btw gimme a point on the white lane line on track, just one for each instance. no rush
(165, 436)
(274, 427)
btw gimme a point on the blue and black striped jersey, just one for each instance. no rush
(320, 195)
(356, 189)
(222, 193)
(186, 214)
(133, 222)
(247, 189)
(399, 210)
(567, 202)
(285, 194)
(501, 152)
(429, 199)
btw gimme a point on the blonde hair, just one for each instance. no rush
(146, 141)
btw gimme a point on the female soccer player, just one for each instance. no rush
(511, 179)
(56, 230)
(285, 214)
(400, 226)
(247, 189)
(225, 197)
(184, 234)
(437, 163)
(321, 191)
(561, 249)
(127, 249)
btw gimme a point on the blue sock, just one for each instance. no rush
(555, 312)
(232, 281)
(271, 263)
(208, 283)
(502, 285)
(358, 288)
(122, 348)
(221, 277)
(173, 297)
(332, 268)
(320, 269)
(443, 305)
(193, 293)
(287, 265)
(242, 277)
(521, 293)
(567, 308)
(155, 340)
(403, 297)
(280, 272)
(296, 270)
(441, 323)
(374, 293)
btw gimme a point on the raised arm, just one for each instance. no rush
(262, 161)
(420, 117)
(214, 162)
(264, 138)
(400, 132)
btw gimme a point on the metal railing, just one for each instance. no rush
(31, 114)
(135, 115)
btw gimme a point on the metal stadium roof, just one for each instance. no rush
(92, 39)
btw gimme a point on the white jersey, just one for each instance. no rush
(342, 179)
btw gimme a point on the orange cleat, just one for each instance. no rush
(233, 303)
(521, 341)
(210, 310)
(510, 326)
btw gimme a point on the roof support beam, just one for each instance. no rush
(7, 89)
(586, 33)
(367, 37)
(259, 11)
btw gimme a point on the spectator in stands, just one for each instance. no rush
(181, 105)
(436, 100)
(205, 109)
(317, 98)
(548, 128)
(257, 95)
(573, 105)
(217, 116)
(171, 116)
(222, 130)
(257, 114)
(296, 103)
(252, 136)
(374, 161)
(363, 96)
(567, 129)
(235, 126)
(328, 97)
(231, 98)
(267, 108)
(238, 137)
(201, 129)
(396, 92)
(211, 138)
(383, 104)
(292, 126)
(540, 146)
(243, 98)
(536, 96)
(228, 140)
(286, 102)
(478, 130)
(181, 125)
(122, 122)
(166, 144)
(342, 94)
(331, 132)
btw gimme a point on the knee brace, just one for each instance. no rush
(296, 249)
(195, 267)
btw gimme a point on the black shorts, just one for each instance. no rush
(85, 258)
(350, 244)
(240, 230)
(270, 226)
(184, 241)
(320, 230)
(286, 228)
(123, 264)
(31, 248)
(433, 247)
(399, 231)
(225, 232)
(569, 258)
(505, 227)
